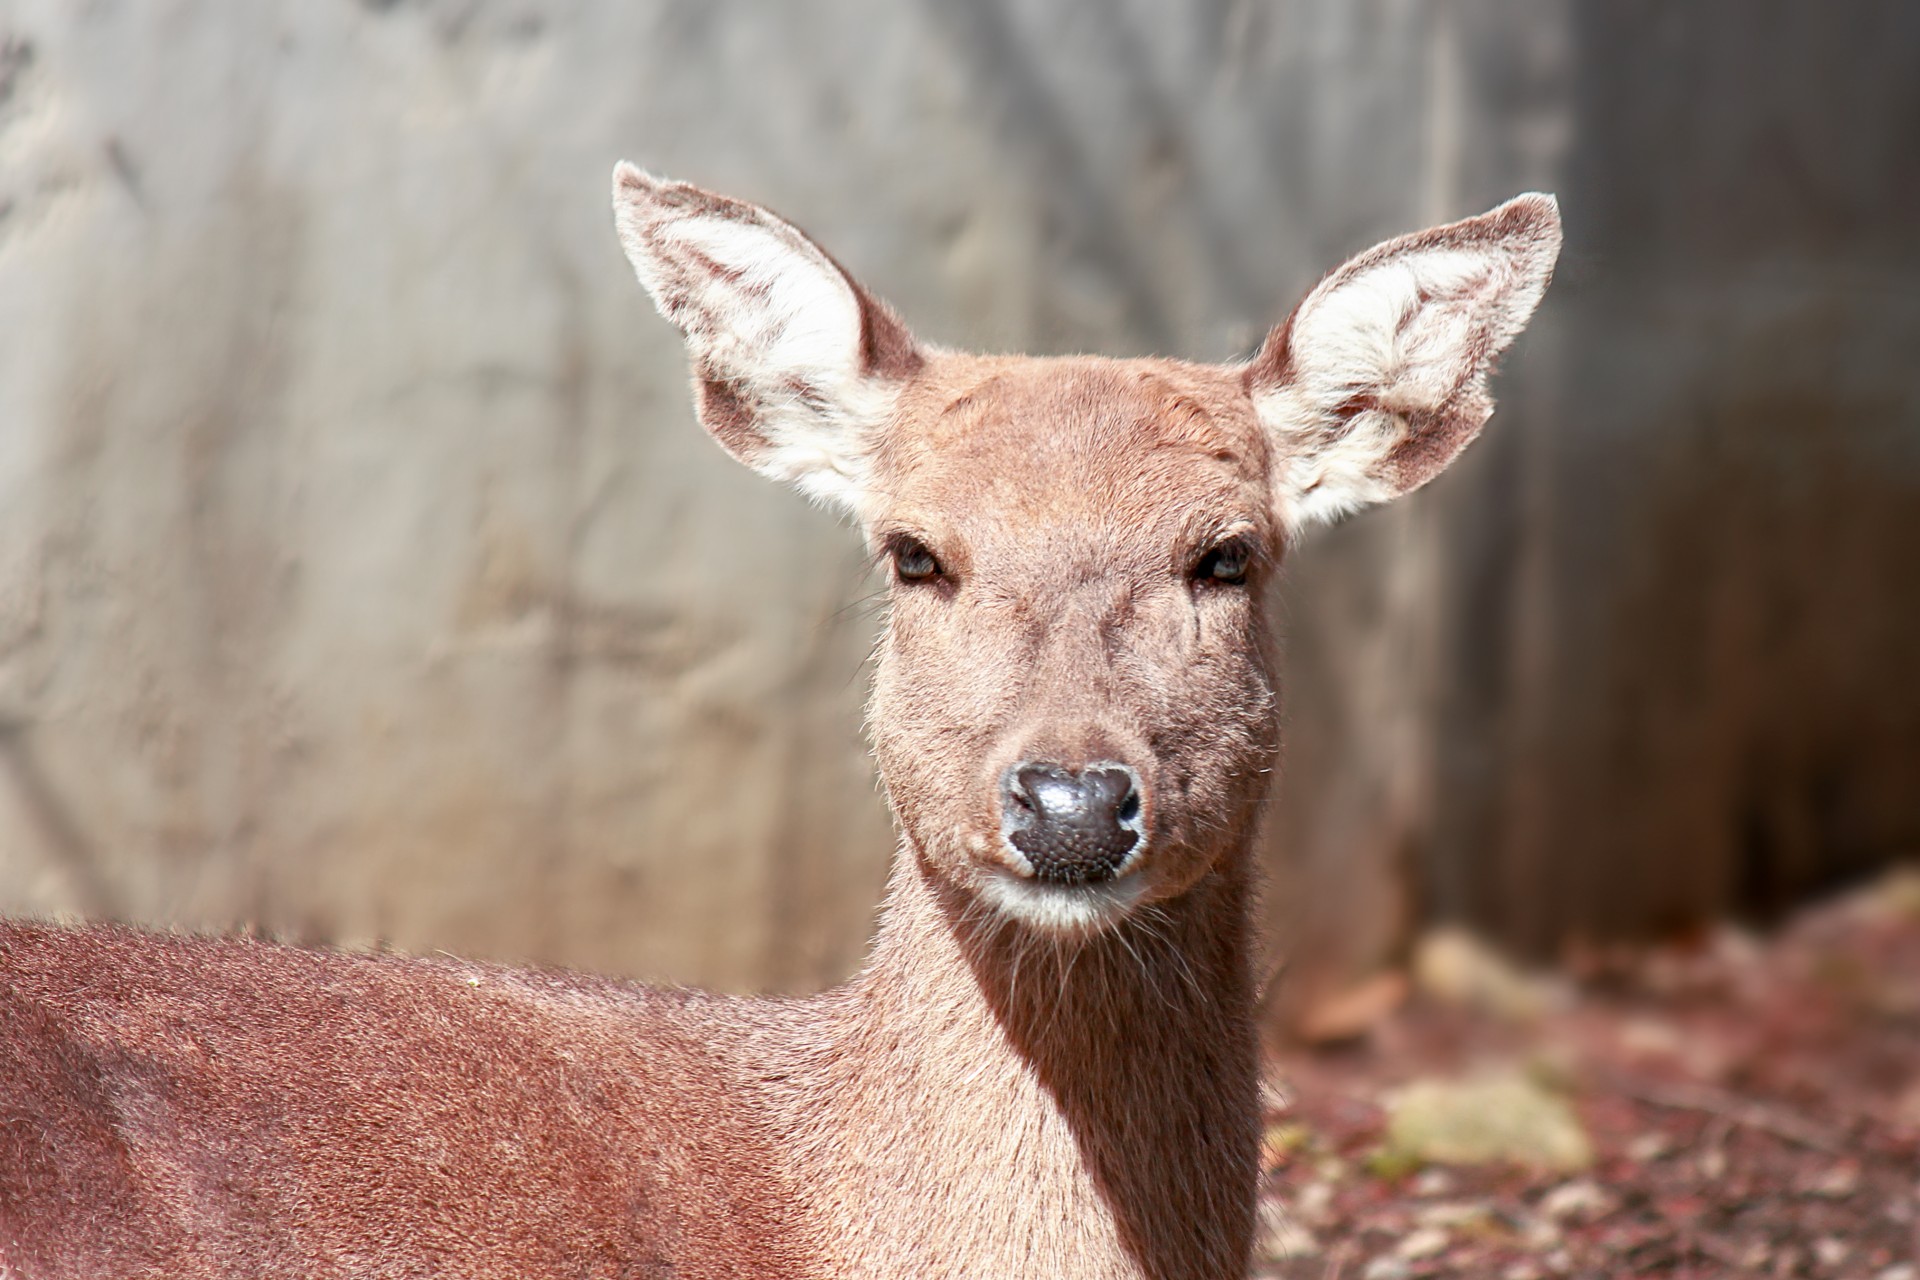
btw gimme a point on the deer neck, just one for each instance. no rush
(991, 1103)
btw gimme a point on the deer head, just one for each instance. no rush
(1074, 705)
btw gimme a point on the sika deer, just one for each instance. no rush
(1047, 1066)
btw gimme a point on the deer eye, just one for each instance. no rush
(913, 562)
(1226, 564)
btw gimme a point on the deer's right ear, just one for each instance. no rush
(796, 368)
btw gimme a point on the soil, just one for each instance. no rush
(1753, 1105)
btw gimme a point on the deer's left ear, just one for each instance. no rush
(1379, 377)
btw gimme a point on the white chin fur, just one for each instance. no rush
(1074, 910)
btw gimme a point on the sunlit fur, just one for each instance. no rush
(1023, 1080)
(1068, 627)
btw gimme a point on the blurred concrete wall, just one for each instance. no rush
(1726, 551)
(364, 575)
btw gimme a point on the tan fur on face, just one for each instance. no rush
(1071, 631)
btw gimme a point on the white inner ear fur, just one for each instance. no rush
(1400, 339)
(767, 313)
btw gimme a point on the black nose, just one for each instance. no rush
(1075, 827)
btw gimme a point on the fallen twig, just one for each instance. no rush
(1735, 1110)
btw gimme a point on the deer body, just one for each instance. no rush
(1047, 1065)
(243, 1109)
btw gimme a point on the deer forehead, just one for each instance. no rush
(1012, 452)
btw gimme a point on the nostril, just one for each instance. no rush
(1022, 790)
(1130, 807)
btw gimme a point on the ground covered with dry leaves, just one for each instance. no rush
(1731, 1105)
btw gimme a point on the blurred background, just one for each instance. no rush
(365, 577)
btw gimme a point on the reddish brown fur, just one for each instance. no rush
(190, 1107)
(994, 1095)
